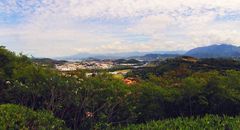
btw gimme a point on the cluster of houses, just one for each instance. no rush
(71, 66)
(92, 65)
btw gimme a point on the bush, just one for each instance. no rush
(20, 117)
(208, 122)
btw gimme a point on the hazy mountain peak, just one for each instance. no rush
(214, 51)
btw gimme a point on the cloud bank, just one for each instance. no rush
(50, 28)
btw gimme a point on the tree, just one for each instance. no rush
(19, 117)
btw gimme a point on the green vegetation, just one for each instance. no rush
(185, 66)
(124, 61)
(174, 88)
(19, 117)
(209, 122)
(48, 62)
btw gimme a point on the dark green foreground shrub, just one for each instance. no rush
(20, 117)
(209, 122)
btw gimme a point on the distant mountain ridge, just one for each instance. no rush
(215, 51)
(152, 57)
(123, 55)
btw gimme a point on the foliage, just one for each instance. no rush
(19, 117)
(184, 66)
(208, 122)
(69, 96)
(175, 88)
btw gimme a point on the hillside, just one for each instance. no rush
(185, 64)
(180, 87)
(215, 51)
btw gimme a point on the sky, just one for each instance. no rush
(53, 28)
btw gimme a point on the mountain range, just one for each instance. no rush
(213, 51)
(124, 55)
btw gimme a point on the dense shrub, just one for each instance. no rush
(20, 117)
(198, 94)
(208, 122)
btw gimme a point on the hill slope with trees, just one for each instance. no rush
(102, 101)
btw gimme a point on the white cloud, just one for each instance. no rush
(64, 27)
(116, 8)
(151, 25)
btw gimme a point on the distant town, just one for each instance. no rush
(72, 66)
(99, 64)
